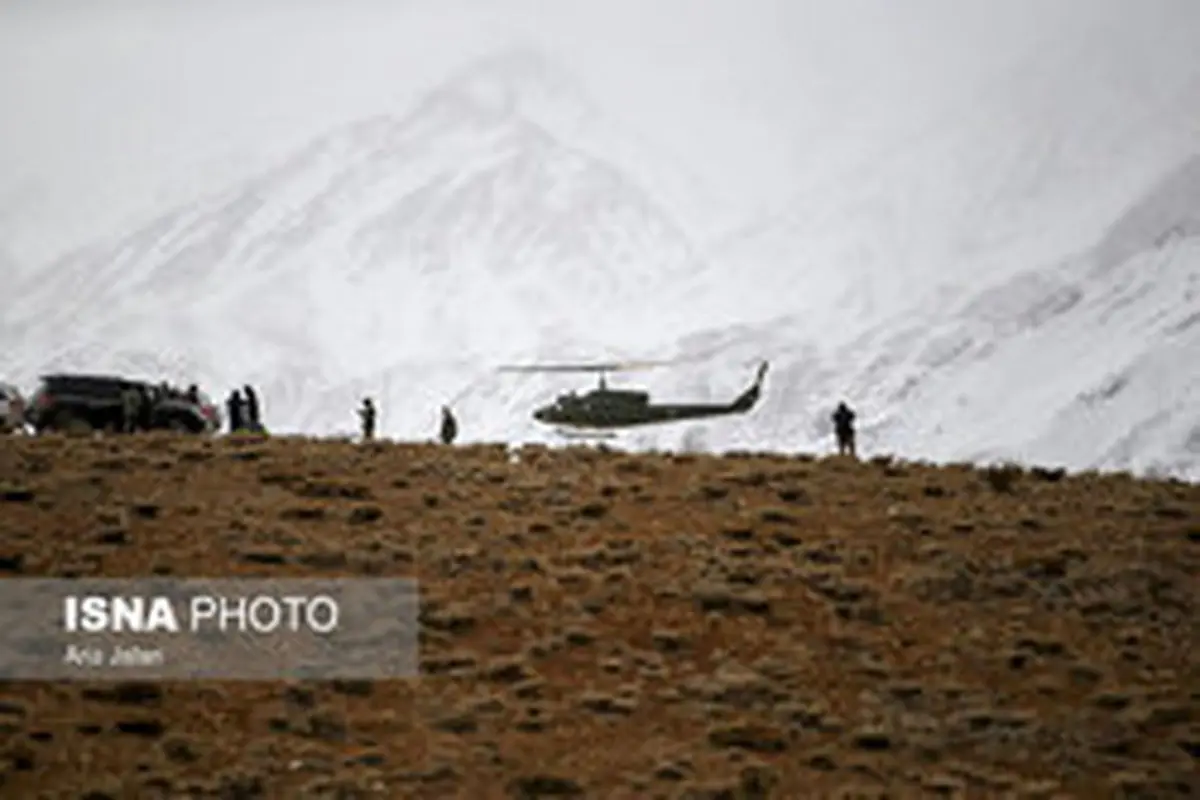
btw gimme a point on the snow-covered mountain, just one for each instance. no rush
(1020, 281)
(1032, 168)
(1086, 361)
(478, 225)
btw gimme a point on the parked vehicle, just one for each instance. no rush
(81, 403)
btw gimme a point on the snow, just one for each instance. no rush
(1019, 278)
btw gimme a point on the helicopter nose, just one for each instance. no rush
(540, 415)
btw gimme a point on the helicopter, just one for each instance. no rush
(602, 409)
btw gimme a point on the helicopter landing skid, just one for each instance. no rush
(584, 434)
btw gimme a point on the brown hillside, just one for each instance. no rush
(633, 626)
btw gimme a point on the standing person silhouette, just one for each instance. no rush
(252, 419)
(449, 431)
(843, 427)
(366, 419)
(234, 408)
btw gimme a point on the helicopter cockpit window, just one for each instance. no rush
(564, 403)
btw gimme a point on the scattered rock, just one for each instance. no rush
(1048, 475)
(16, 494)
(457, 723)
(332, 490)
(785, 539)
(264, 557)
(331, 559)
(352, 688)
(607, 704)
(179, 750)
(538, 786)
(148, 728)
(302, 514)
(873, 740)
(325, 726)
(146, 510)
(529, 690)
(752, 737)
(451, 619)
(114, 536)
(125, 694)
(672, 771)
(450, 664)
(508, 670)
(364, 515)
(823, 762)
(777, 516)
(1003, 478)
(794, 495)
(579, 637)
(668, 641)
(738, 533)
(300, 697)
(593, 510)
(718, 598)
(1171, 512)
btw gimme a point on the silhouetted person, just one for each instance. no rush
(233, 409)
(146, 403)
(252, 419)
(131, 402)
(449, 431)
(366, 419)
(193, 394)
(843, 427)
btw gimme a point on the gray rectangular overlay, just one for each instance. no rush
(216, 629)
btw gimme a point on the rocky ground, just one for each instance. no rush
(597, 624)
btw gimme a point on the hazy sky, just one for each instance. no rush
(115, 104)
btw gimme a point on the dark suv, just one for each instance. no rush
(94, 402)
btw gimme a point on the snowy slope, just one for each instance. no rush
(1019, 282)
(1091, 361)
(465, 231)
(1031, 168)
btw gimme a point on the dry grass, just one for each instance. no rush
(605, 625)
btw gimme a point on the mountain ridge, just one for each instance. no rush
(406, 256)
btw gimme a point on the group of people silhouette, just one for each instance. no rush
(242, 410)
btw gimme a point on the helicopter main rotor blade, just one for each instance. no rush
(615, 366)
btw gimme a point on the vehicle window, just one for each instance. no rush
(89, 386)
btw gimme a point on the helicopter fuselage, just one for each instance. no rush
(616, 415)
(613, 408)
